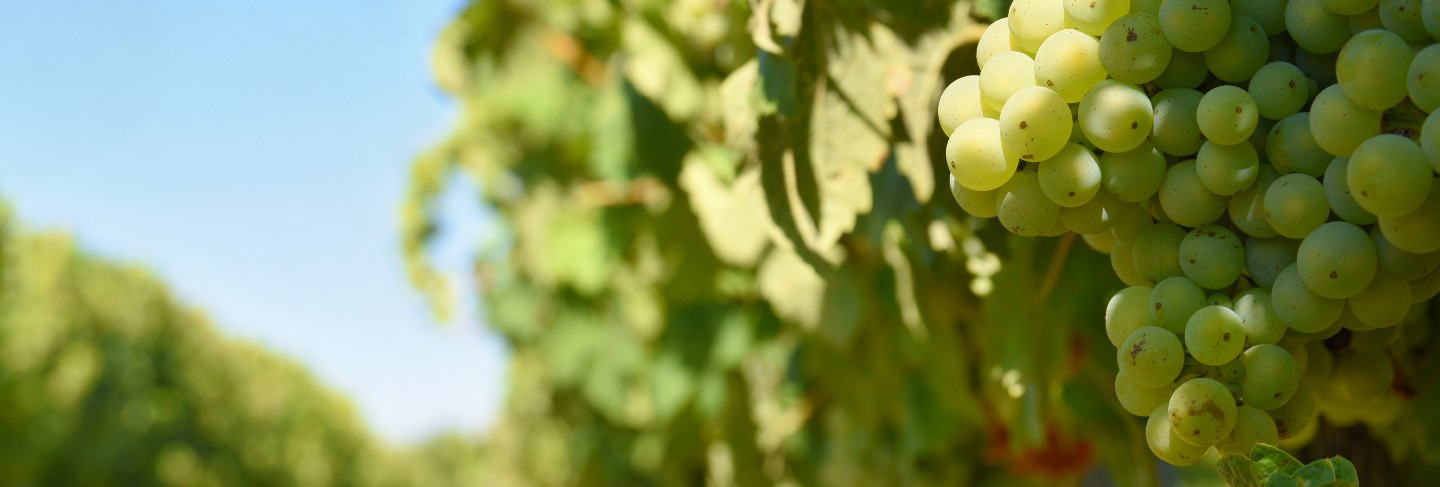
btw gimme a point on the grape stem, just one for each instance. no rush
(1057, 264)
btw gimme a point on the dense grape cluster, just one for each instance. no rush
(1261, 173)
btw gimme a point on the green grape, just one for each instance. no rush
(1293, 417)
(1361, 376)
(1031, 21)
(1134, 50)
(1338, 124)
(1257, 317)
(1297, 350)
(1299, 307)
(1279, 90)
(1006, 73)
(1139, 399)
(1227, 115)
(1134, 175)
(1383, 303)
(1115, 116)
(1295, 204)
(1403, 18)
(1202, 411)
(1187, 201)
(1400, 263)
(1337, 193)
(1035, 123)
(1175, 130)
(976, 157)
(1422, 82)
(1123, 262)
(1069, 63)
(1212, 256)
(1094, 216)
(1271, 376)
(1152, 355)
(1227, 169)
(980, 204)
(1157, 251)
(1346, 317)
(1092, 17)
(1186, 70)
(1166, 444)
(1214, 336)
(1430, 140)
(1269, 13)
(1363, 21)
(1425, 287)
(1266, 258)
(1317, 67)
(1022, 208)
(1127, 311)
(1229, 373)
(995, 40)
(1241, 52)
(1219, 299)
(1194, 25)
(1337, 260)
(1314, 28)
(1419, 230)
(1101, 242)
(1054, 230)
(1371, 69)
(959, 102)
(1252, 426)
(1430, 17)
(1247, 208)
(1129, 223)
(1070, 178)
(1317, 372)
(1349, 7)
(1172, 301)
(1291, 148)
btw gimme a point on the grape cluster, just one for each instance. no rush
(1261, 173)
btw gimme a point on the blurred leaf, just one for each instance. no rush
(733, 218)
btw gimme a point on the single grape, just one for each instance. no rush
(1241, 52)
(980, 204)
(1031, 21)
(1227, 115)
(1152, 355)
(1101, 241)
(1214, 336)
(1135, 175)
(1175, 130)
(1252, 426)
(1212, 256)
(1269, 13)
(1219, 299)
(1035, 123)
(1383, 303)
(1337, 260)
(1247, 208)
(1092, 17)
(1095, 216)
(1022, 208)
(1419, 230)
(1257, 317)
(1069, 63)
(1265, 258)
(1227, 169)
(1271, 376)
(1424, 288)
(1186, 70)
(1157, 251)
(1295, 204)
(1291, 147)
(995, 40)
(1337, 193)
(1172, 301)
(1166, 444)
(1115, 116)
(1338, 124)
(1422, 82)
(976, 157)
(1372, 68)
(1194, 25)
(1202, 411)
(1400, 263)
(1129, 223)
(1301, 308)
(1139, 399)
(1123, 264)
(1134, 50)
(1070, 178)
(959, 103)
(1279, 90)
(1314, 28)
(1349, 7)
(1128, 310)
(1185, 199)
(1004, 74)
(1430, 17)
(1298, 413)
(1403, 18)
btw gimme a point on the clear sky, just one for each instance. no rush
(254, 155)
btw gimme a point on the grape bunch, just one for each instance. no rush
(1261, 174)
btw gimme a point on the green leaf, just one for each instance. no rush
(1345, 473)
(734, 219)
(1319, 472)
(777, 86)
(1269, 459)
(1281, 479)
(1238, 471)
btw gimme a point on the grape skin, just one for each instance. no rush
(1422, 82)
(1257, 317)
(1195, 25)
(1337, 260)
(1202, 412)
(1021, 206)
(959, 103)
(1116, 116)
(1126, 312)
(1214, 336)
(1271, 376)
(1279, 90)
(1152, 355)
(1295, 204)
(1372, 67)
(1172, 301)
(1134, 50)
(1241, 52)
(1301, 308)
(1338, 124)
(976, 157)
(1227, 115)
(1252, 426)
(1035, 123)
(1166, 444)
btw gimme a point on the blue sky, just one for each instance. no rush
(254, 155)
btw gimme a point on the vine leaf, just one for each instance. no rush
(733, 219)
(1269, 459)
(1238, 471)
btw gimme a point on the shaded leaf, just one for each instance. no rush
(1238, 471)
(1269, 459)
